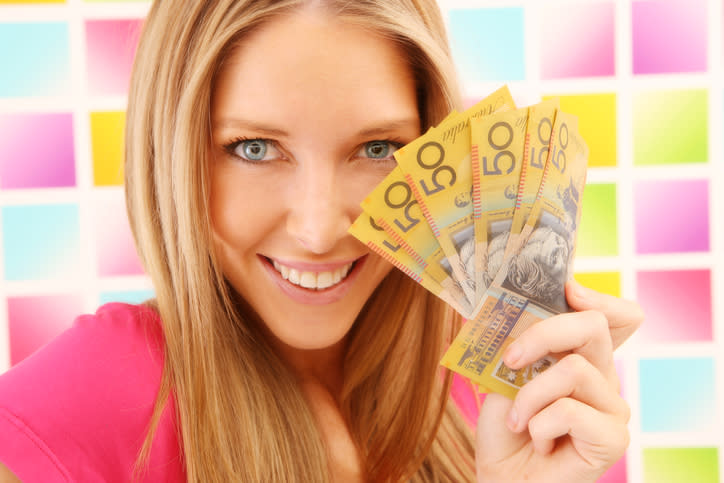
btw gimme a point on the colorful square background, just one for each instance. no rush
(670, 126)
(676, 465)
(643, 76)
(37, 151)
(35, 59)
(669, 36)
(671, 216)
(577, 40)
(677, 394)
(41, 242)
(487, 44)
(110, 47)
(35, 320)
(678, 305)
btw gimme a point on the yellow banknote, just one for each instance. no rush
(437, 168)
(540, 126)
(542, 262)
(368, 232)
(530, 285)
(393, 207)
(498, 150)
(475, 353)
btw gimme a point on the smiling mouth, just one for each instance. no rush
(313, 280)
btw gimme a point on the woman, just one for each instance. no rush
(292, 353)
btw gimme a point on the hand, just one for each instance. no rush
(569, 423)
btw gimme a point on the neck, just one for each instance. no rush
(319, 367)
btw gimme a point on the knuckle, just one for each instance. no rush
(623, 442)
(565, 408)
(599, 321)
(625, 411)
(575, 365)
(536, 426)
(638, 315)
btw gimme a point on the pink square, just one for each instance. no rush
(669, 36)
(110, 47)
(35, 321)
(677, 305)
(115, 249)
(36, 151)
(671, 216)
(577, 40)
(616, 473)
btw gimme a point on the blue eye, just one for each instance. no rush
(253, 149)
(379, 149)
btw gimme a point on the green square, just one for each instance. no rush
(671, 127)
(681, 465)
(598, 231)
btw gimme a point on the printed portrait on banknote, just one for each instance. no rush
(540, 269)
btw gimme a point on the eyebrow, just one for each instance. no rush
(251, 125)
(378, 128)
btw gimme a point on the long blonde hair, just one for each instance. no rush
(240, 412)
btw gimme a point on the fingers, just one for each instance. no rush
(571, 378)
(598, 438)
(584, 333)
(624, 316)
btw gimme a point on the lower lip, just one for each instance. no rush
(314, 297)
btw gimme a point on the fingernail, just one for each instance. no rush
(512, 354)
(512, 419)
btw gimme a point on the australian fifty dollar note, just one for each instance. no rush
(437, 167)
(530, 284)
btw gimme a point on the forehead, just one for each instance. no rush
(310, 67)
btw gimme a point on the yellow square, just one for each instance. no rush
(107, 130)
(604, 282)
(596, 123)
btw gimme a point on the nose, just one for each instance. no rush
(318, 218)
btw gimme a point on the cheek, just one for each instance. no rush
(242, 211)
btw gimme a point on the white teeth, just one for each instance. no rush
(308, 280)
(312, 280)
(294, 276)
(325, 279)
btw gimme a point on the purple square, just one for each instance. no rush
(671, 216)
(677, 304)
(669, 36)
(36, 151)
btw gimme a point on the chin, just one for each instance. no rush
(310, 335)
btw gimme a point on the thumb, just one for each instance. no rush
(494, 440)
(624, 316)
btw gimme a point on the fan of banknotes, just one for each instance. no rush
(482, 210)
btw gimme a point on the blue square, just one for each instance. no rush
(127, 296)
(34, 59)
(41, 242)
(677, 394)
(487, 44)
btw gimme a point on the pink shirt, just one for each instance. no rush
(77, 410)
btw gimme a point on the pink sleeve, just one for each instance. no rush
(77, 409)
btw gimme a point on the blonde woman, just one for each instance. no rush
(279, 348)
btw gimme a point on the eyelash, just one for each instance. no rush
(395, 143)
(230, 147)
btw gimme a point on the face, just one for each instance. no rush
(549, 250)
(306, 114)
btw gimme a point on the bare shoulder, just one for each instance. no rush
(7, 476)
